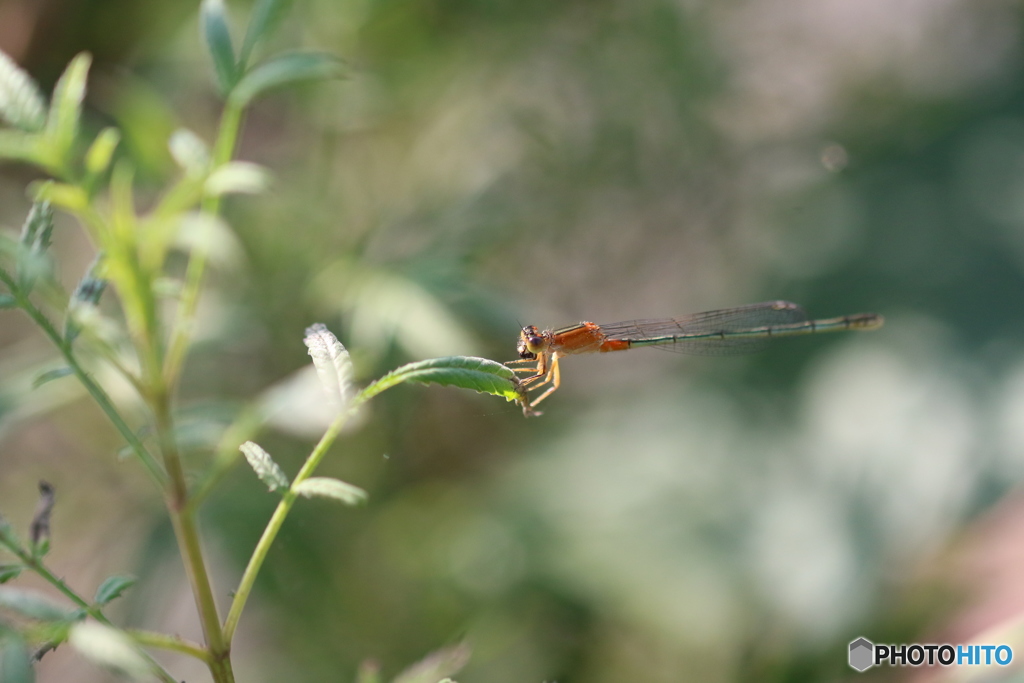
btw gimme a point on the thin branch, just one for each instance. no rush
(36, 565)
(94, 389)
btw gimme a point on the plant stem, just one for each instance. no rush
(223, 150)
(97, 393)
(166, 372)
(36, 565)
(259, 554)
(163, 641)
(187, 533)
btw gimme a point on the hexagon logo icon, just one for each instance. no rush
(862, 654)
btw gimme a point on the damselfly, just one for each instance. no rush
(723, 332)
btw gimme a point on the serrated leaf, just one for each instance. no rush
(264, 466)
(15, 660)
(10, 571)
(112, 588)
(332, 362)
(217, 35)
(265, 14)
(21, 103)
(66, 107)
(467, 372)
(51, 375)
(85, 298)
(286, 70)
(110, 648)
(237, 177)
(33, 605)
(33, 262)
(101, 151)
(33, 266)
(38, 226)
(189, 151)
(7, 301)
(436, 666)
(326, 487)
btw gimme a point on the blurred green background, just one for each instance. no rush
(497, 162)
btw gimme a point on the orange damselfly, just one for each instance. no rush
(723, 332)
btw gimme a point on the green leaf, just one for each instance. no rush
(467, 372)
(50, 375)
(214, 22)
(237, 177)
(90, 288)
(10, 571)
(21, 103)
(66, 108)
(101, 151)
(33, 605)
(38, 226)
(15, 661)
(264, 466)
(31, 267)
(20, 146)
(326, 487)
(36, 234)
(189, 151)
(112, 588)
(7, 301)
(265, 15)
(436, 666)
(207, 234)
(7, 535)
(69, 197)
(286, 70)
(332, 362)
(85, 298)
(111, 648)
(41, 549)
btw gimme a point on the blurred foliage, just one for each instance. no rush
(493, 162)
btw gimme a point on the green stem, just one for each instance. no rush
(97, 393)
(259, 554)
(36, 565)
(187, 534)
(223, 150)
(167, 371)
(163, 641)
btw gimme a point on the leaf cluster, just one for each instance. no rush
(132, 333)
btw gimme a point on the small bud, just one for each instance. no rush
(40, 529)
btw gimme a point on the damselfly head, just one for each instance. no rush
(531, 342)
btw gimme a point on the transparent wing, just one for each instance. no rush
(739, 319)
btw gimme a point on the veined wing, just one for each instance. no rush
(728, 331)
